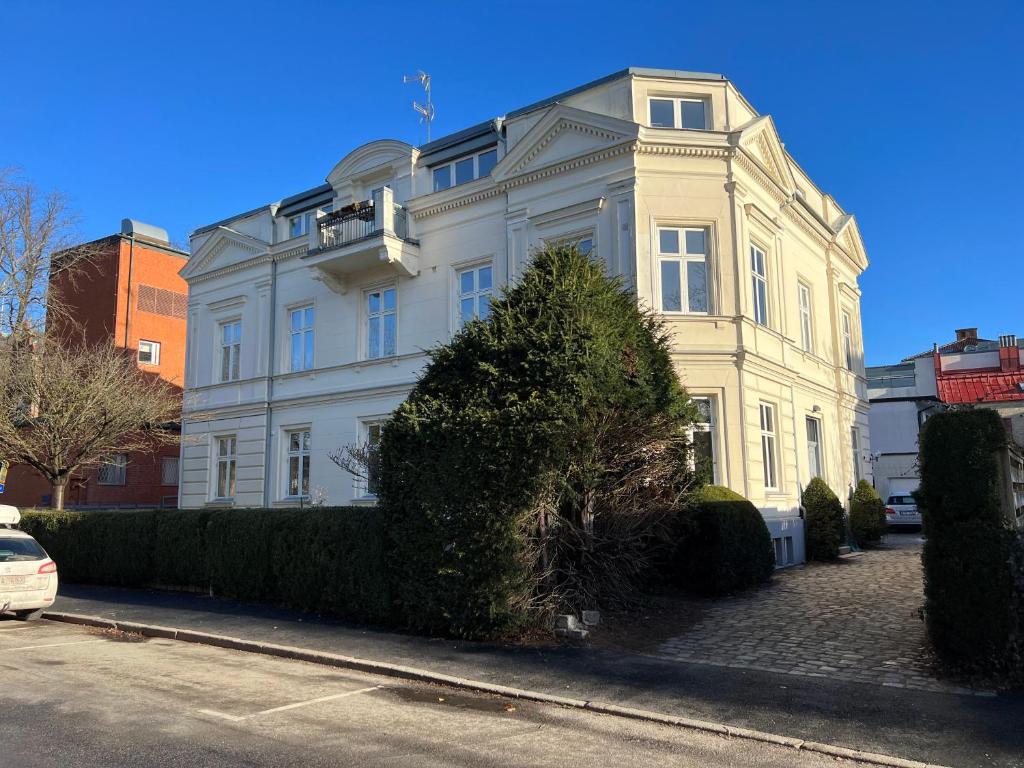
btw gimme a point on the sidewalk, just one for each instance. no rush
(920, 725)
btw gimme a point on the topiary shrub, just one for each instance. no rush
(867, 515)
(823, 521)
(724, 544)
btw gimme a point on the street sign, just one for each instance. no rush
(2, 486)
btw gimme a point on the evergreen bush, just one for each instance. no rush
(867, 515)
(823, 521)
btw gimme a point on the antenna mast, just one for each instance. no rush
(426, 110)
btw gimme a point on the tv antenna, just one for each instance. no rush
(426, 110)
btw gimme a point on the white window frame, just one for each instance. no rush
(117, 465)
(846, 328)
(306, 220)
(683, 259)
(677, 111)
(301, 334)
(806, 317)
(476, 294)
(769, 445)
(166, 472)
(154, 352)
(450, 165)
(368, 353)
(711, 427)
(230, 460)
(303, 454)
(817, 445)
(759, 305)
(232, 349)
(855, 449)
(367, 426)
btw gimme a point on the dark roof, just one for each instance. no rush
(962, 345)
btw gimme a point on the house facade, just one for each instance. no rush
(308, 317)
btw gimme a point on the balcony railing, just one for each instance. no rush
(362, 220)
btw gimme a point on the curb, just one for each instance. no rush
(421, 675)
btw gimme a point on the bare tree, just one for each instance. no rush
(65, 408)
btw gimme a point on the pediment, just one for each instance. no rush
(848, 236)
(564, 133)
(369, 157)
(761, 142)
(222, 248)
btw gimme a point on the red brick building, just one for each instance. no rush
(129, 294)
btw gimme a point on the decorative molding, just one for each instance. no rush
(571, 164)
(588, 208)
(232, 303)
(334, 283)
(457, 202)
(561, 126)
(237, 267)
(744, 161)
(685, 151)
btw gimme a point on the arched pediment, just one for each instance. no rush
(370, 156)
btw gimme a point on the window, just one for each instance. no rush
(226, 465)
(464, 169)
(371, 439)
(300, 338)
(169, 470)
(702, 440)
(113, 470)
(814, 446)
(768, 452)
(302, 223)
(855, 447)
(149, 352)
(475, 289)
(806, 330)
(690, 113)
(230, 350)
(381, 319)
(298, 463)
(683, 269)
(759, 279)
(296, 226)
(847, 340)
(783, 551)
(585, 245)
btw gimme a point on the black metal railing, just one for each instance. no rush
(346, 225)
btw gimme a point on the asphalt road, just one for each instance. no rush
(74, 696)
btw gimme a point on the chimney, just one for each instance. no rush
(1009, 353)
(963, 334)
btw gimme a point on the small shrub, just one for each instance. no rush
(823, 521)
(724, 544)
(867, 515)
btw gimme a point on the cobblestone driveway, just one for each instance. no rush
(852, 620)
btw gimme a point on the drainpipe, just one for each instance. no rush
(270, 383)
(128, 306)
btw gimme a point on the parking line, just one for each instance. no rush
(296, 705)
(50, 645)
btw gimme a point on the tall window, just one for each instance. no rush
(679, 113)
(169, 470)
(806, 329)
(759, 279)
(814, 446)
(226, 464)
(371, 439)
(298, 463)
(683, 269)
(702, 440)
(300, 337)
(847, 339)
(230, 350)
(149, 352)
(768, 448)
(113, 470)
(855, 447)
(381, 322)
(464, 169)
(475, 288)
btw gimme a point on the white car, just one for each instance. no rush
(901, 509)
(28, 577)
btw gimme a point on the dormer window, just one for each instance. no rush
(464, 169)
(302, 223)
(685, 112)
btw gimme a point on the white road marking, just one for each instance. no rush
(296, 705)
(50, 645)
(14, 628)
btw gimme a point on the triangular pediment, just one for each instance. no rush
(760, 141)
(563, 134)
(222, 248)
(848, 236)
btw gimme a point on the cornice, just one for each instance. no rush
(455, 202)
(806, 226)
(748, 164)
(678, 150)
(265, 258)
(562, 125)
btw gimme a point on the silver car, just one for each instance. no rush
(28, 577)
(901, 509)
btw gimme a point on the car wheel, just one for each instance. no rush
(31, 615)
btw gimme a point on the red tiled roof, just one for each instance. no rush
(980, 386)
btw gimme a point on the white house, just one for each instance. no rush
(309, 317)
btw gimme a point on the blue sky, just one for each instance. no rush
(182, 113)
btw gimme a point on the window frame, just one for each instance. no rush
(367, 316)
(806, 316)
(769, 446)
(234, 358)
(477, 293)
(118, 462)
(450, 165)
(164, 464)
(711, 428)
(304, 454)
(855, 450)
(154, 352)
(818, 445)
(306, 219)
(760, 306)
(367, 425)
(302, 332)
(846, 332)
(683, 259)
(677, 111)
(231, 460)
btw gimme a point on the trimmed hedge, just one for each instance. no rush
(323, 559)
(724, 543)
(867, 515)
(823, 521)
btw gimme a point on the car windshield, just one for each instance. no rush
(14, 550)
(902, 500)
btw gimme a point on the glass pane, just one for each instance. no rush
(225, 334)
(695, 242)
(389, 335)
(225, 363)
(234, 362)
(671, 293)
(464, 171)
(305, 441)
(373, 434)
(693, 115)
(309, 316)
(757, 261)
(697, 286)
(308, 351)
(586, 245)
(373, 302)
(466, 310)
(484, 307)
(305, 477)
(373, 341)
(466, 281)
(484, 278)
(295, 226)
(812, 430)
(296, 352)
(222, 479)
(296, 319)
(442, 178)
(703, 455)
(293, 476)
(663, 113)
(231, 479)
(668, 240)
(293, 441)
(389, 299)
(486, 162)
(703, 405)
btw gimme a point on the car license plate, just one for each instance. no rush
(12, 581)
(908, 513)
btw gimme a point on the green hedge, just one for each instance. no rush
(724, 544)
(323, 559)
(867, 515)
(823, 521)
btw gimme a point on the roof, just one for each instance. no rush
(963, 345)
(981, 386)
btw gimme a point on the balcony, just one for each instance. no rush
(361, 237)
